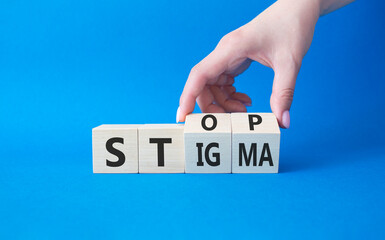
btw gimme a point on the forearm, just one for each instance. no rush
(327, 6)
(322, 7)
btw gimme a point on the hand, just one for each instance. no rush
(278, 38)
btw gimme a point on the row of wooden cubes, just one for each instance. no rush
(207, 143)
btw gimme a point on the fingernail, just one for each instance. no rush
(177, 115)
(286, 119)
(248, 104)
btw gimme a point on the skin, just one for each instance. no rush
(278, 38)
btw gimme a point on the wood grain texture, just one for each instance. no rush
(208, 151)
(173, 148)
(129, 147)
(255, 149)
(208, 143)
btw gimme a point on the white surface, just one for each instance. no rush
(266, 132)
(100, 136)
(173, 152)
(240, 123)
(193, 123)
(195, 133)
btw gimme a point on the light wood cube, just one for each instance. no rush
(207, 140)
(161, 148)
(255, 143)
(115, 148)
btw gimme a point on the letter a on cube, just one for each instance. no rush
(161, 148)
(115, 148)
(255, 143)
(208, 143)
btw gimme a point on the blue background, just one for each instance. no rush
(68, 66)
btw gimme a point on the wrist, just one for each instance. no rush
(312, 9)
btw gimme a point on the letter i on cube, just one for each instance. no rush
(207, 139)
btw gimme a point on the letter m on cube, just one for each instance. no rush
(255, 143)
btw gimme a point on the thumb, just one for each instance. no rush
(283, 92)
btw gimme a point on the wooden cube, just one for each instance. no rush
(161, 148)
(115, 148)
(207, 140)
(255, 143)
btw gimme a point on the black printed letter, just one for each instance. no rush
(199, 146)
(265, 148)
(251, 121)
(116, 152)
(252, 153)
(160, 142)
(215, 155)
(204, 122)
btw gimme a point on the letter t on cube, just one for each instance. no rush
(161, 148)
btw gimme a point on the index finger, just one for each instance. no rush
(207, 71)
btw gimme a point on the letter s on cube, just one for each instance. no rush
(115, 148)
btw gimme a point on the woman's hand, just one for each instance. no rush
(278, 38)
